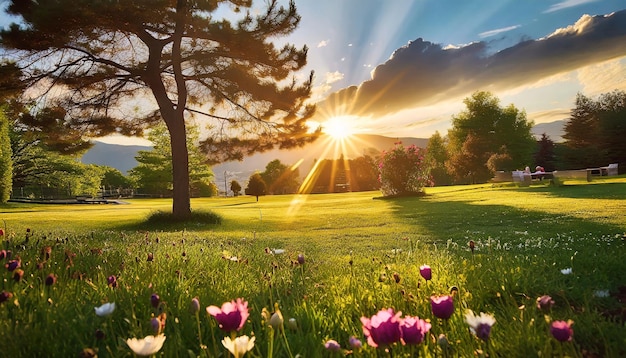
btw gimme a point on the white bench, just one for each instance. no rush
(609, 170)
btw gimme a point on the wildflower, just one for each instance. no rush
(46, 252)
(301, 259)
(426, 272)
(105, 310)
(276, 321)
(18, 274)
(292, 324)
(5, 296)
(239, 346)
(601, 293)
(383, 328)
(231, 316)
(150, 257)
(51, 279)
(3, 254)
(155, 300)
(146, 346)
(88, 353)
(158, 323)
(442, 341)
(100, 335)
(194, 306)
(112, 281)
(566, 271)
(332, 346)
(278, 251)
(562, 331)
(355, 343)
(442, 306)
(13, 264)
(1, 232)
(545, 303)
(480, 325)
(413, 330)
(396, 277)
(472, 245)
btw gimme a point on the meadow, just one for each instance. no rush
(314, 268)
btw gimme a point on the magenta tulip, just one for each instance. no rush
(232, 315)
(383, 328)
(426, 272)
(413, 330)
(442, 306)
(562, 331)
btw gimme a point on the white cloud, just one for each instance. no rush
(332, 77)
(497, 31)
(603, 77)
(567, 4)
(322, 43)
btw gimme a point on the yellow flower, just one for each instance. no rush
(146, 346)
(239, 346)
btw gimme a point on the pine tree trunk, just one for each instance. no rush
(181, 205)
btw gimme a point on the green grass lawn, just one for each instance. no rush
(362, 254)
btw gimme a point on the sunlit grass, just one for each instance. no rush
(362, 254)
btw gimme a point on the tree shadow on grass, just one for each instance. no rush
(460, 220)
(585, 191)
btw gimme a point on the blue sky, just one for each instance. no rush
(403, 68)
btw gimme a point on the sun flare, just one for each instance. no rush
(339, 128)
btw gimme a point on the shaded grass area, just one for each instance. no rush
(362, 255)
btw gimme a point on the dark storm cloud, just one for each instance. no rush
(422, 73)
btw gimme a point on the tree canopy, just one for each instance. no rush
(486, 129)
(124, 66)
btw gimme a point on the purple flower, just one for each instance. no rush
(480, 325)
(112, 281)
(413, 330)
(383, 328)
(51, 279)
(5, 296)
(194, 306)
(355, 343)
(562, 331)
(426, 272)
(232, 315)
(545, 303)
(301, 259)
(155, 300)
(13, 264)
(442, 306)
(332, 345)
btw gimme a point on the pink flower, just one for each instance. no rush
(383, 328)
(426, 272)
(355, 343)
(413, 330)
(332, 345)
(442, 306)
(562, 331)
(232, 315)
(545, 303)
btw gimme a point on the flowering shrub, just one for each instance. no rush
(403, 171)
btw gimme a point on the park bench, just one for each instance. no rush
(609, 170)
(522, 178)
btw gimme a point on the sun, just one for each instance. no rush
(339, 128)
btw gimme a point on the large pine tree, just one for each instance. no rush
(122, 66)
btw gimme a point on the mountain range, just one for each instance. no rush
(122, 157)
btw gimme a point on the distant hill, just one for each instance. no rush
(122, 157)
(554, 130)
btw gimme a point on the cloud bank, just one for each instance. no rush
(423, 73)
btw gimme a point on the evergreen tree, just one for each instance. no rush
(235, 187)
(153, 174)
(124, 66)
(546, 153)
